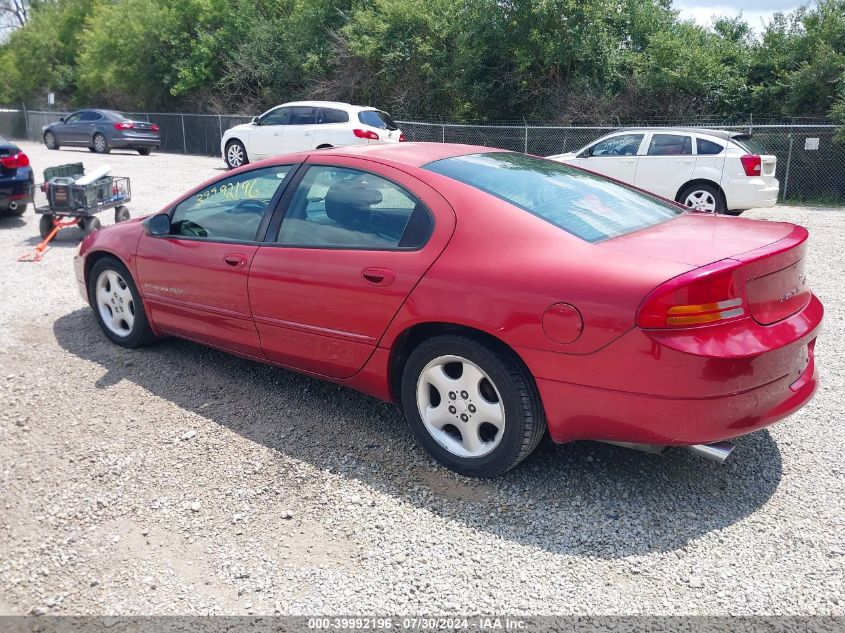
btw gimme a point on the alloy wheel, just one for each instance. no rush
(701, 200)
(460, 406)
(100, 143)
(115, 303)
(235, 155)
(50, 140)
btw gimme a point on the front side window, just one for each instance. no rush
(74, 118)
(584, 204)
(231, 209)
(279, 116)
(670, 145)
(303, 115)
(621, 145)
(337, 207)
(331, 115)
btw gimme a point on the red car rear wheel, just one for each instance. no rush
(474, 408)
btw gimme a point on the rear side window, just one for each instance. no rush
(330, 115)
(749, 145)
(669, 145)
(378, 119)
(708, 148)
(584, 204)
(303, 115)
(90, 115)
(336, 207)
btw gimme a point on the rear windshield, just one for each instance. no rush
(376, 118)
(749, 145)
(588, 206)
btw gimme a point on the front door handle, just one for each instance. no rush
(378, 276)
(235, 260)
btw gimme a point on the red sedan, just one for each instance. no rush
(493, 295)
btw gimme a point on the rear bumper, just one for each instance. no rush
(135, 141)
(751, 193)
(599, 414)
(673, 391)
(16, 187)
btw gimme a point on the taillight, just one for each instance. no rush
(154, 127)
(15, 161)
(124, 125)
(752, 164)
(704, 296)
(402, 138)
(366, 134)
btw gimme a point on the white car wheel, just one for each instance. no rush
(701, 200)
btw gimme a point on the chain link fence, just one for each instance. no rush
(810, 167)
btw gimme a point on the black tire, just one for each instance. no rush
(231, 161)
(91, 149)
(324, 146)
(705, 190)
(141, 334)
(45, 225)
(734, 212)
(50, 141)
(16, 212)
(91, 224)
(121, 214)
(525, 421)
(100, 144)
(144, 151)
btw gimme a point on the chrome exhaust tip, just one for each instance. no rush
(717, 452)
(13, 206)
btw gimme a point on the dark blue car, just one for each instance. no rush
(102, 131)
(16, 179)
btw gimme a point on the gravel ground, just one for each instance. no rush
(177, 479)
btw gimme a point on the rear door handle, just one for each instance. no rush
(378, 276)
(235, 260)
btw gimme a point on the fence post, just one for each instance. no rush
(788, 161)
(525, 151)
(184, 138)
(26, 121)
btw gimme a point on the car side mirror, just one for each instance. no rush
(586, 153)
(255, 120)
(158, 224)
(62, 120)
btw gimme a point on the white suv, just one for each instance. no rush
(304, 125)
(707, 170)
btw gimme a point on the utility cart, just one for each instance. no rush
(62, 201)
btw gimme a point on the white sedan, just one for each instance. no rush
(707, 170)
(306, 125)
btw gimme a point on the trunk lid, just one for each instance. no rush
(771, 256)
(698, 239)
(775, 279)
